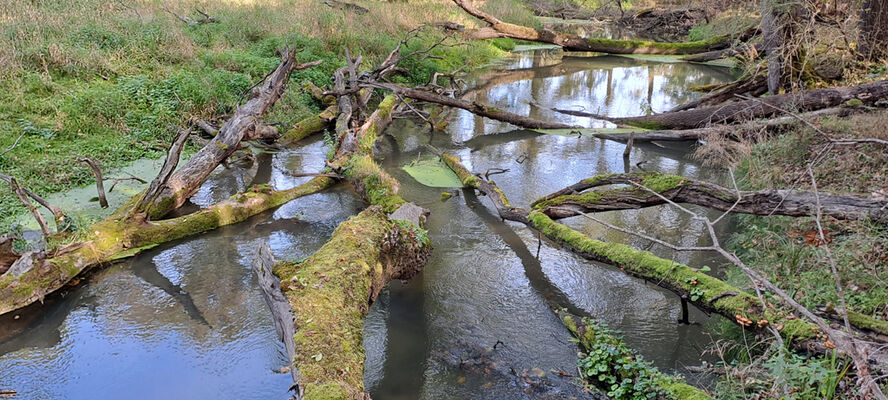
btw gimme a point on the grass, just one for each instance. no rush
(111, 80)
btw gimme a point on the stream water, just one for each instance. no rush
(186, 320)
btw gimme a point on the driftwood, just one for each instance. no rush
(571, 201)
(498, 29)
(724, 53)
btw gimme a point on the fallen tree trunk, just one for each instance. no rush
(725, 53)
(331, 292)
(807, 100)
(712, 294)
(117, 237)
(310, 125)
(571, 201)
(127, 231)
(500, 29)
(241, 126)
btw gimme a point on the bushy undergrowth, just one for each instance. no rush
(112, 80)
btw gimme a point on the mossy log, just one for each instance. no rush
(310, 125)
(766, 107)
(754, 86)
(573, 201)
(714, 295)
(500, 29)
(331, 292)
(587, 337)
(724, 53)
(118, 237)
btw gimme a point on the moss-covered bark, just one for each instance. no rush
(332, 290)
(118, 237)
(310, 125)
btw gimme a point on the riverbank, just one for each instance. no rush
(112, 81)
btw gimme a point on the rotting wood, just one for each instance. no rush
(498, 29)
(281, 313)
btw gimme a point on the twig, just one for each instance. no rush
(13, 145)
(24, 199)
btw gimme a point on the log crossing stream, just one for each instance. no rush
(186, 319)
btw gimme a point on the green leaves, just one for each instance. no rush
(432, 172)
(611, 366)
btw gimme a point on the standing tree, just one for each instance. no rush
(874, 29)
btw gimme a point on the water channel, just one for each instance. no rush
(186, 319)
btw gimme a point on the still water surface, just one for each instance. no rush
(186, 320)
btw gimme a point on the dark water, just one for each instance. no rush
(187, 320)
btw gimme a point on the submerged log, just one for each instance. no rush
(499, 29)
(760, 108)
(572, 200)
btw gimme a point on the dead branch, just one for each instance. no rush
(206, 18)
(569, 201)
(58, 215)
(97, 172)
(24, 199)
(281, 313)
(13, 144)
(807, 100)
(341, 5)
(473, 107)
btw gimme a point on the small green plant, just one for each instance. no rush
(610, 365)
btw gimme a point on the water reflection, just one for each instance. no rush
(484, 283)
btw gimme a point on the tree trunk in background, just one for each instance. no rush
(874, 29)
(773, 43)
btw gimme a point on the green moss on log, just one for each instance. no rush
(331, 292)
(310, 125)
(649, 47)
(714, 294)
(468, 180)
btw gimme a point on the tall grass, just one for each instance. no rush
(109, 79)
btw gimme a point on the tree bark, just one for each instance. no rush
(572, 201)
(187, 180)
(874, 29)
